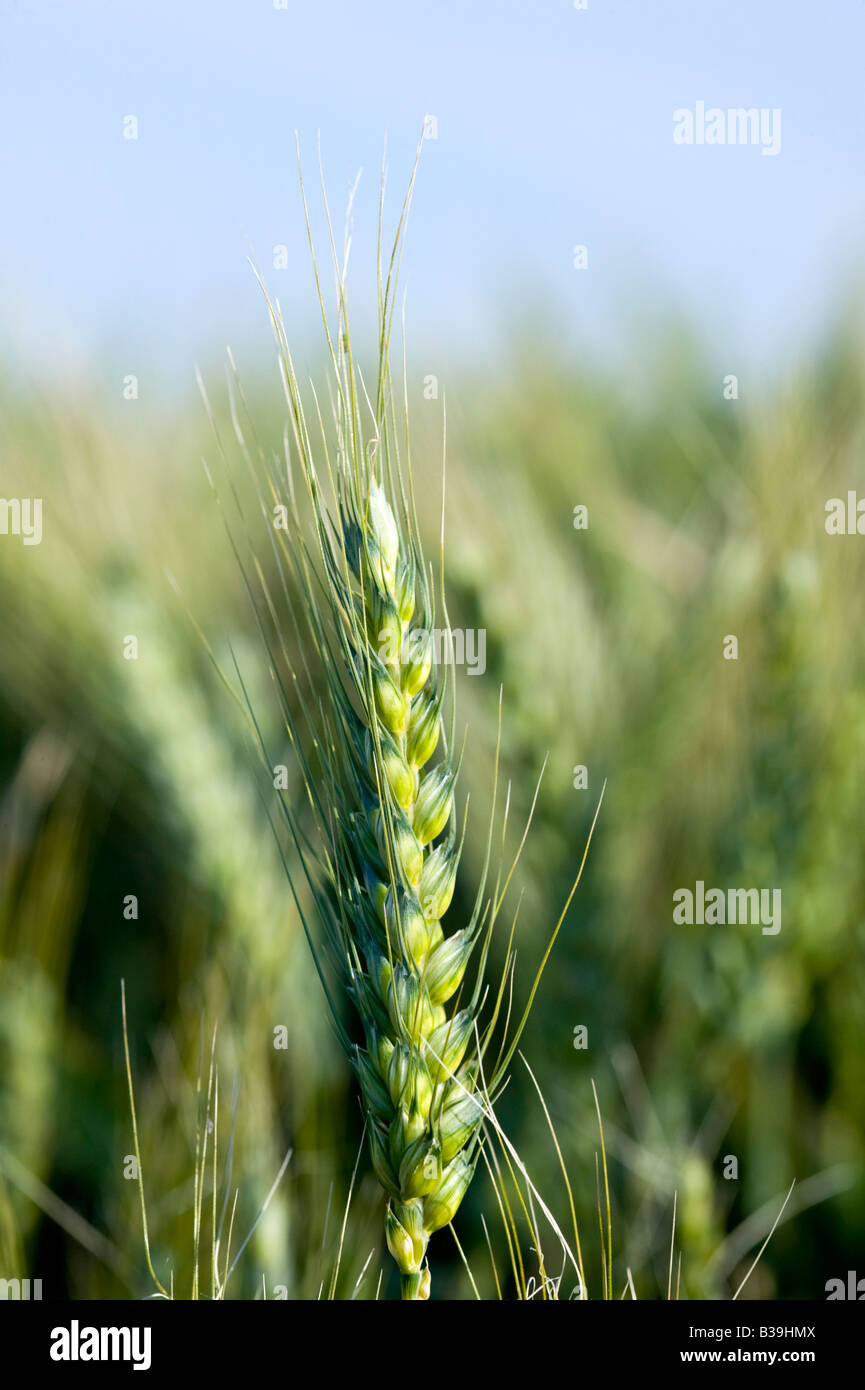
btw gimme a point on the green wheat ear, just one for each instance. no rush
(378, 771)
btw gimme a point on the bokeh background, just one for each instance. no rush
(602, 386)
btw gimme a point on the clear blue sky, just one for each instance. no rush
(554, 128)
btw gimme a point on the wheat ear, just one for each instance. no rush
(378, 769)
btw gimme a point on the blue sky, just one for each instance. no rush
(554, 129)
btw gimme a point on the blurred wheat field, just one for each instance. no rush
(133, 779)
